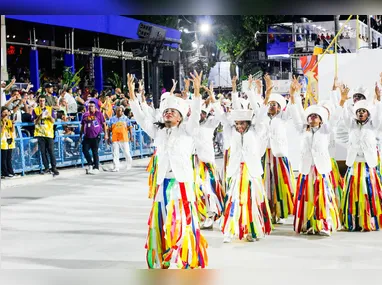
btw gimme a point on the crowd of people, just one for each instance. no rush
(107, 113)
(257, 189)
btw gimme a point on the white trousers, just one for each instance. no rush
(126, 151)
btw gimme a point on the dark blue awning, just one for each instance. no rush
(107, 24)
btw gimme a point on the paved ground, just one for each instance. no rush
(99, 222)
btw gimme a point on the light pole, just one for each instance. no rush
(123, 67)
(4, 71)
(204, 28)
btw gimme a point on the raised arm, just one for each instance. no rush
(377, 119)
(192, 126)
(143, 121)
(262, 113)
(13, 81)
(254, 97)
(296, 116)
(295, 97)
(212, 121)
(346, 114)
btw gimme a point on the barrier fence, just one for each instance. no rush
(67, 148)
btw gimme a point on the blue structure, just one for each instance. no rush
(98, 75)
(69, 61)
(107, 24)
(34, 69)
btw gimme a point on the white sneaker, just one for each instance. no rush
(227, 240)
(324, 233)
(89, 170)
(281, 221)
(310, 231)
(173, 265)
(115, 170)
(95, 171)
(208, 224)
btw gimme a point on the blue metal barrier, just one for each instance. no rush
(68, 149)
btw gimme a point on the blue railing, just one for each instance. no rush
(68, 150)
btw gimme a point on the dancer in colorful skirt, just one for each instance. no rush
(379, 134)
(174, 236)
(335, 175)
(156, 117)
(247, 214)
(278, 176)
(227, 105)
(362, 203)
(315, 207)
(206, 169)
(334, 112)
(359, 93)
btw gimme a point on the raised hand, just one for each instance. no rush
(344, 94)
(259, 85)
(140, 86)
(131, 86)
(234, 87)
(186, 85)
(377, 92)
(295, 86)
(174, 82)
(268, 85)
(197, 81)
(336, 85)
(210, 92)
(250, 81)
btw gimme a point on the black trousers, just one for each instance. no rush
(91, 144)
(6, 162)
(46, 147)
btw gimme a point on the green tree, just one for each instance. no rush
(115, 80)
(70, 79)
(237, 34)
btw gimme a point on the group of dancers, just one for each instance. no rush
(257, 187)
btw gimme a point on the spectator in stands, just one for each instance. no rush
(7, 143)
(71, 101)
(69, 144)
(120, 133)
(106, 107)
(118, 97)
(5, 88)
(25, 110)
(31, 101)
(16, 104)
(51, 101)
(63, 106)
(93, 98)
(92, 124)
(80, 99)
(44, 122)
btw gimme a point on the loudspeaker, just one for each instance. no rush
(146, 31)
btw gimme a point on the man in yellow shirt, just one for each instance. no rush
(119, 130)
(44, 119)
(7, 143)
